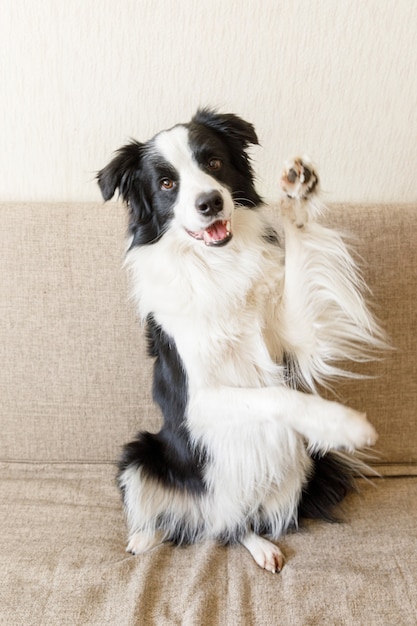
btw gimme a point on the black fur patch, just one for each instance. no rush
(167, 456)
(331, 481)
(136, 172)
(271, 236)
(227, 137)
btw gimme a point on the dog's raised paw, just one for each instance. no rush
(299, 179)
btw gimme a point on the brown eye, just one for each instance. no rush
(167, 183)
(215, 164)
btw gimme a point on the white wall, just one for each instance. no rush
(336, 79)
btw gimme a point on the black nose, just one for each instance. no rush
(209, 204)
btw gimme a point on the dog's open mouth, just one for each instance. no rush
(217, 234)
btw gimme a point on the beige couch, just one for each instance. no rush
(75, 386)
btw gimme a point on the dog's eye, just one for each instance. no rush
(214, 164)
(167, 183)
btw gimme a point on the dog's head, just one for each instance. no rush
(190, 177)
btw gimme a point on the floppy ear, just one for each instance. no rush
(124, 173)
(237, 135)
(233, 127)
(121, 172)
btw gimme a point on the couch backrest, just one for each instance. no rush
(75, 381)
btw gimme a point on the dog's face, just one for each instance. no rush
(190, 177)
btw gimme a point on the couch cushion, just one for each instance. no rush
(75, 382)
(63, 561)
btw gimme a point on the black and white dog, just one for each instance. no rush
(243, 322)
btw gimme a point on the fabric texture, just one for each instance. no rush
(62, 546)
(76, 385)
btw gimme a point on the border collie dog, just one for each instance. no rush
(243, 322)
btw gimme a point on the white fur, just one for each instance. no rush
(233, 312)
(266, 554)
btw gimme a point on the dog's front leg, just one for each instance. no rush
(323, 318)
(143, 541)
(324, 424)
(265, 553)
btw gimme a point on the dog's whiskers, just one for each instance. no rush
(242, 201)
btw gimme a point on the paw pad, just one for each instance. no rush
(299, 179)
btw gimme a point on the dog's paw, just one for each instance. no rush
(265, 553)
(143, 541)
(340, 427)
(330, 425)
(355, 431)
(299, 179)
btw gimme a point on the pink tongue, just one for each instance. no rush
(216, 232)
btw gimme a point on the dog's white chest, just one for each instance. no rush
(219, 307)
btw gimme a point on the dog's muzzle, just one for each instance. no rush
(211, 204)
(217, 234)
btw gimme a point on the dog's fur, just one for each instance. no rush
(243, 322)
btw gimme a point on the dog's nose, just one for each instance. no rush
(209, 204)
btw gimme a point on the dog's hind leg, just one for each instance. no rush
(265, 553)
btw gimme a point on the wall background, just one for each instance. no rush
(336, 79)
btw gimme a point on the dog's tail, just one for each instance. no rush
(333, 477)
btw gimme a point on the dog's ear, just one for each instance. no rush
(122, 172)
(237, 135)
(228, 124)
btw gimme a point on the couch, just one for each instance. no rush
(75, 386)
